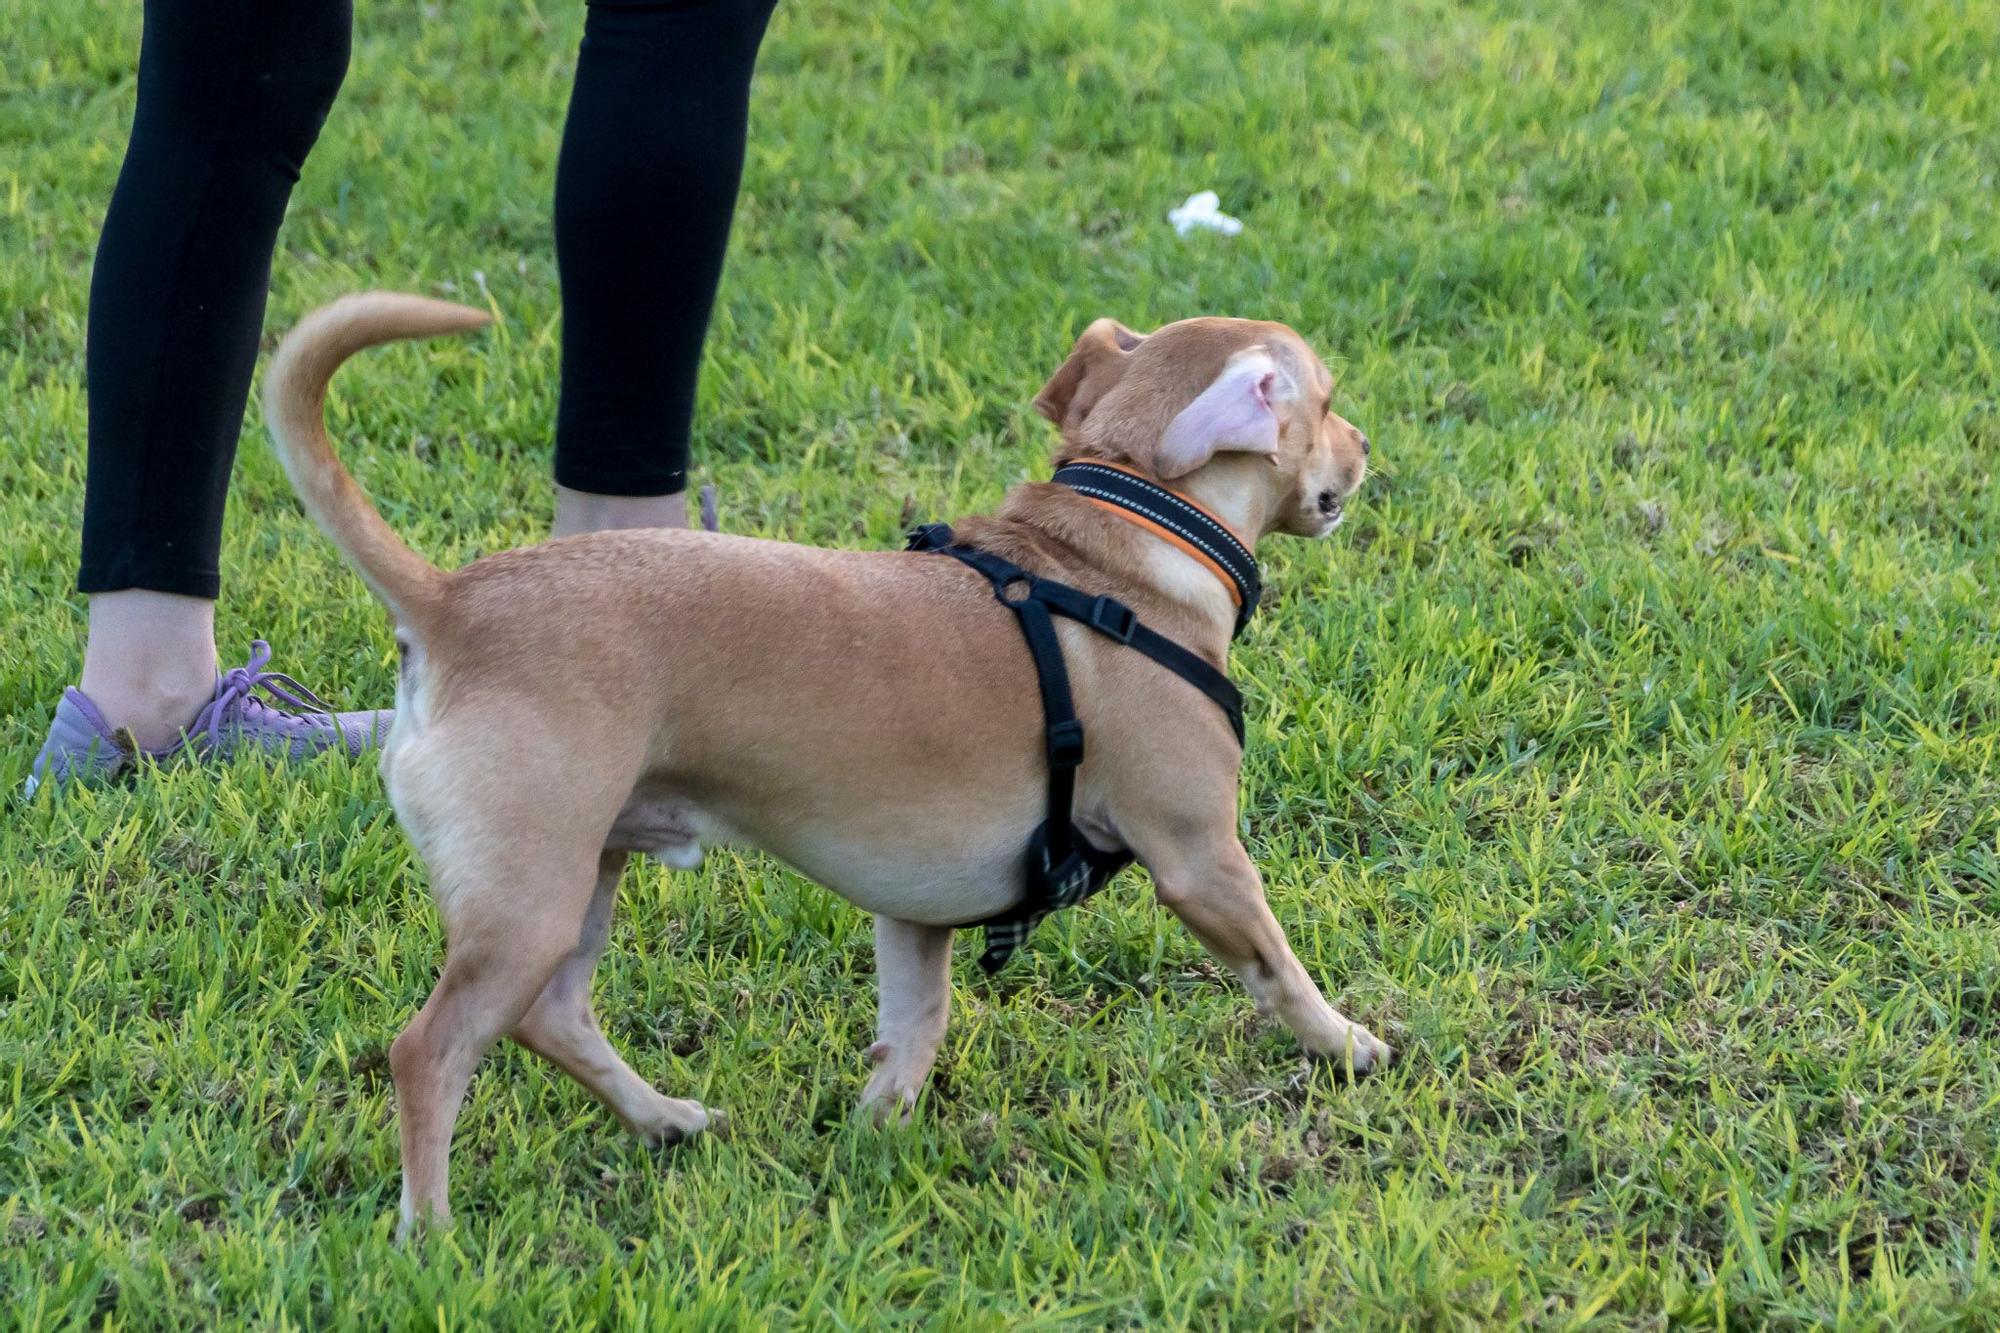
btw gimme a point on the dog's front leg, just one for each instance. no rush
(913, 970)
(1218, 894)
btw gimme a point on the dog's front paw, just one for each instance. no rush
(412, 1227)
(676, 1119)
(891, 1094)
(1356, 1049)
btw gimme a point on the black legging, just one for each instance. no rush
(232, 94)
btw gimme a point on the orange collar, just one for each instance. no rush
(1172, 517)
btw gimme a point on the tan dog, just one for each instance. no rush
(869, 717)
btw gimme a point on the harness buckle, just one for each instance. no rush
(1112, 617)
(1066, 744)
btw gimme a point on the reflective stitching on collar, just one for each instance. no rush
(1187, 505)
(1163, 520)
(1176, 520)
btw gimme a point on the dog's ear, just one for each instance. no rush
(1094, 365)
(1237, 411)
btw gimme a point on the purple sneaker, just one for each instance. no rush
(82, 744)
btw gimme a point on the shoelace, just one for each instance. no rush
(236, 686)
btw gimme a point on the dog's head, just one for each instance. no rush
(1237, 411)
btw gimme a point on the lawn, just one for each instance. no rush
(1631, 760)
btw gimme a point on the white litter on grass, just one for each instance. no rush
(1203, 212)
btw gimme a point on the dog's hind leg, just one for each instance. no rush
(510, 920)
(561, 1028)
(913, 970)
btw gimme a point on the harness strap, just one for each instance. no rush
(1113, 619)
(1063, 867)
(1062, 733)
(1107, 615)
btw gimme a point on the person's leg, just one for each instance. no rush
(232, 94)
(652, 154)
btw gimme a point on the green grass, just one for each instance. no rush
(1631, 760)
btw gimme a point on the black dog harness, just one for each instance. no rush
(1063, 867)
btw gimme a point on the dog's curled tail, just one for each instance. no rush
(295, 410)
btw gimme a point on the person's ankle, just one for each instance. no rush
(149, 665)
(586, 511)
(153, 712)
